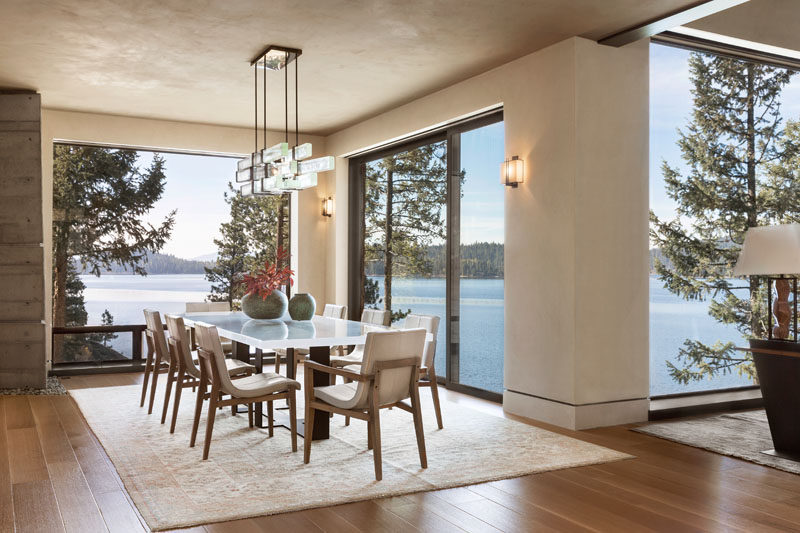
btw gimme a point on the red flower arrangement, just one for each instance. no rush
(265, 280)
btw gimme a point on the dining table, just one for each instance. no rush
(317, 335)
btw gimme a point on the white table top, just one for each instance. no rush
(284, 332)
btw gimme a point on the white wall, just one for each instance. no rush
(308, 236)
(576, 330)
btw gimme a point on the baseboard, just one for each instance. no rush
(576, 416)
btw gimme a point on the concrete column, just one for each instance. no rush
(22, 330)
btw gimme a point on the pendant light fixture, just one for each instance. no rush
(279, 168)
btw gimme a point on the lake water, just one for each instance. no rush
(671, 321)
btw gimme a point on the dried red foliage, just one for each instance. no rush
(265, 280)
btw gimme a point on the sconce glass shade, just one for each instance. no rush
(770, 250)
(512, 171)
(327, 206)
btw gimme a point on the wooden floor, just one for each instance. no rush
(54, 476)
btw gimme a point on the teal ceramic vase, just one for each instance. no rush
(273, 306)
(302, 306)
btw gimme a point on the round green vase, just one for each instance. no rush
(273, 306)
(302, 306)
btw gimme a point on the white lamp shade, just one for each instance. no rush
(770, 251)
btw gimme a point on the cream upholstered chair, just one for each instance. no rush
(266, 387)
(330, 311)
(188, 373)
(379, 317)
(158, 358)
(389, 375)
(211, 307)
(427, 372)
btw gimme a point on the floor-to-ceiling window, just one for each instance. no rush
(723, 157)
(135, 229)
(428, 238)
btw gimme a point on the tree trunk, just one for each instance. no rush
(752, 207)
(387, 249)
(60, 264)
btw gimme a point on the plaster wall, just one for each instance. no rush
(576, 317)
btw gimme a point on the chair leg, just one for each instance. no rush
(435, 395)
(369, 434)
(198, 408)
(249, 415)
(147, 367)
(156, 368)
(270, 424)
(277, 363)
(309, 430)
(293, 418)
(376, 443)
(423, 458)
(212, 411)
(178, 390)
(170, 381)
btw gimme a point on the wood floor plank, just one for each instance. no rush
(35, 508)
(25, 456)
(18, 413)
(6, 495)
(460, 518)
(329, 521)
(53, 439)
(118, 513)
(93, 460)
(79, 511)
(422, 518)
(374, 517)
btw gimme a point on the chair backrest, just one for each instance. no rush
(180, 336)
(431, 325)
(211, 356)
(207, 307)
(394, 384)
(155, 332)
(376, 316)
(335, 311)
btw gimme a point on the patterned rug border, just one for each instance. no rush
(151, 520)
(755, 457)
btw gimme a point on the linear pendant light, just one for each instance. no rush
(278, 169)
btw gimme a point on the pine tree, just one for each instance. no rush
(256, 229)
(405, 196)
(99, 197)
(742, 172)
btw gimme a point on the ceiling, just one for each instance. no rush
(772, 22)
(189, 60)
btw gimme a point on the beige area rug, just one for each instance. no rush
(249, 474)
(743, 435)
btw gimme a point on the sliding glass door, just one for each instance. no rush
(427, 237)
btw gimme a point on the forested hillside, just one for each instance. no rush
(478, 260)
(159, 264)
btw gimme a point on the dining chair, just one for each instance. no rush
(330, 311)
(265, 387)
(378, 317)
(389, 375)
(427, 370)
(188, 373)
(158, 358)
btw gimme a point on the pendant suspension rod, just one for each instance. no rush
(255, 107)
(264, 88)
(286, 100)
(296, 90)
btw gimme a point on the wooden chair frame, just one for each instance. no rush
(153, 365)
(208, 366)
(185, 380)
(372, 412)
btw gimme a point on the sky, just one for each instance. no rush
(195, 187)
(670, 109)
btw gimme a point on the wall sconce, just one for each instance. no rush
(512, 171)
(327, 206)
